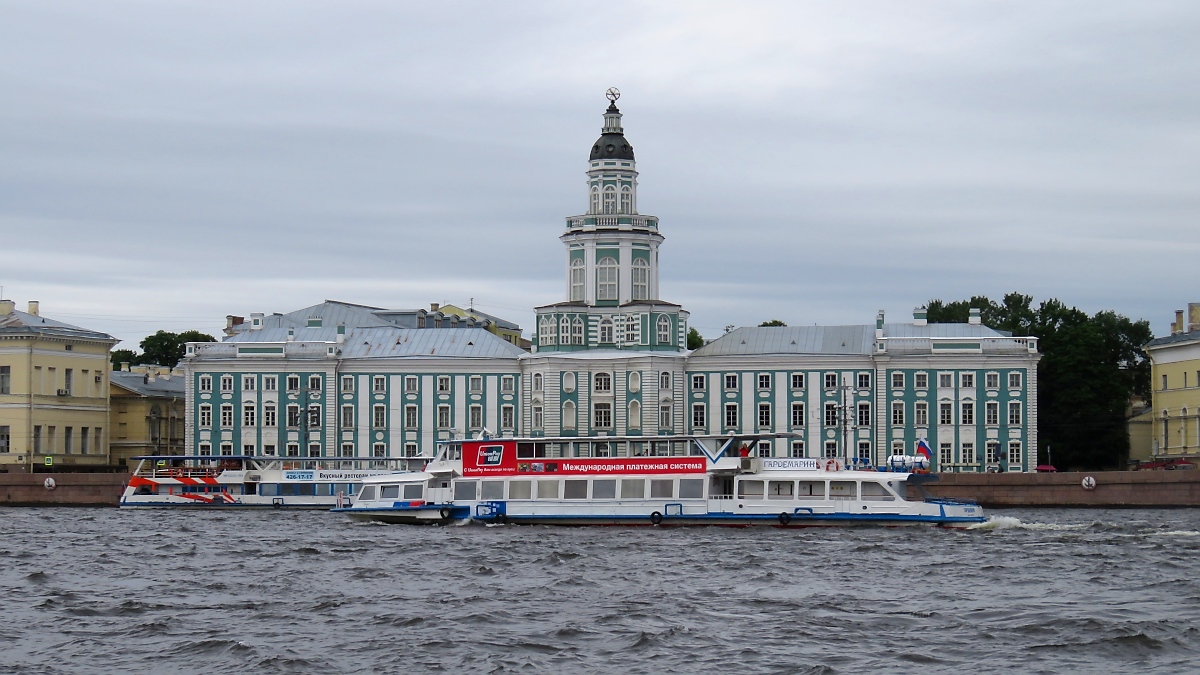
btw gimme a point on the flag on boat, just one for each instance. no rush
(924, 449)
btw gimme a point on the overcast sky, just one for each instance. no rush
(165, 163)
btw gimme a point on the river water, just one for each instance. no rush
(1047, 591)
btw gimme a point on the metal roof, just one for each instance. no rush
(139, 383)
(18, 322)
(830, 339)
(425, 342)
(1177, 338)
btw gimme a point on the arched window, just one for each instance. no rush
(626, 200)
(641, 279)
(632, 329)
(664, 381)
(595, 208)
(602, 383)
(537, 381)
(577, 331)
(606, 279)
(564, 331)
(606, 331)
(610, 200)
(635, 415)
(568, 415)
(546, 332)
(664, 330)
(577, 280)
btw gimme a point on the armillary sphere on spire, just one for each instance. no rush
(612, 94)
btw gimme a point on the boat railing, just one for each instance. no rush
(183, 472)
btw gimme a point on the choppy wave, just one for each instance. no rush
(282, 592)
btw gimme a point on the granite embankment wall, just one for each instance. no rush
(1113, 488)
(70, 489)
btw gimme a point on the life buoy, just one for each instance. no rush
(785, 518)
(655, 518)
(834, 464)
(1089, 483)
(444, 513)
(49, 483)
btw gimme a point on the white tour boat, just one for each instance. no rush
(505, 481)
(244, 480)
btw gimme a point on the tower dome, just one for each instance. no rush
(612, 143)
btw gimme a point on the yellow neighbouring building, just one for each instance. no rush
(507, 330)
(147, 412)
(1175, 379)
(53, 391)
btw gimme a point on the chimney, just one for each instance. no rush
(1177, 326)
(433, 306)
(879, 324)
(7, 307)
(34, 308)
(341, 333)
(919, 317)
(1193, 316)
(151, 375)
(975, 318)
(125, 366)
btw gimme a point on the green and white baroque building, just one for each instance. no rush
(344, 380)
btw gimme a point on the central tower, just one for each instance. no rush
(612, 262)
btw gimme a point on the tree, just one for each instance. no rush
(120, 356)
(162, 348)
(694, 339)
(772, 322)
(1090, 367)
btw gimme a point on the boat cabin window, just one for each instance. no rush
(547, 489)
(368, 494)
(491, 489)
(875, 492)
(662, 488)
(750, 489)
(389, 492)
(842, 489)
(633, 488)
(810, 488)
(780, 489)
(520, 489)
(604, 489)
(575, 489)
(531, 450)
(465, 490)
(413, 491)
(691, 488)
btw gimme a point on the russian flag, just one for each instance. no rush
(924, 449)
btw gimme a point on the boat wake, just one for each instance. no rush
(1011, 523)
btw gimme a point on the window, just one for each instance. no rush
(698, 382)
(797, 380)
(664, 330)
(411, 384)
(641, 279)
(831, 380)
(475, 416)
(898, 413)
(83, 441)
(966, 380)
(731, 415)
(314, 416)
(992, 380)
(205, 415)
(68, 440)
(1014, 454)
(475, 384)
(1014, 412)
(506, 384)
(269, 382)
(577, 331)
(37, 434)
(764, 381)
(411, 450)
(378, 384)
(537, 381)
(921, 414)
(731, 381)
(293, 415)
(606, 279)
(506, 417)
(665, 418)
(831, 450)
(993, 452)
(1164, 382)
(226, 449)
(564, 331)
(248, 449)
(248, 382)
(205, 383)
(968, 412)
(764, 415)
(5, 437)
(347, 449)
(248, 415)
(379, 416)
(602, 383)
(379, 450)
(626, 200)
(537, 416)
(831, 415)
(797, 414)
(443, 384)
(410, 417)
(864, 451)
(226, 383)
(269, 415)
(797, 449)
(968, 453)
(945, 453)
(610, 199)
(577, 280)
(945, 380)
(664, 381)
(226, 415)
(897, 380)
(945, 414)
(698, 415)
(443, 417)
(864, 380)
(921, 380)
(603, 415)
(205, 448)
(606, 331)
(864, 414)
(991, 413)
(347, 416)
(1014, 380)
(293, 383)
(568, 415)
